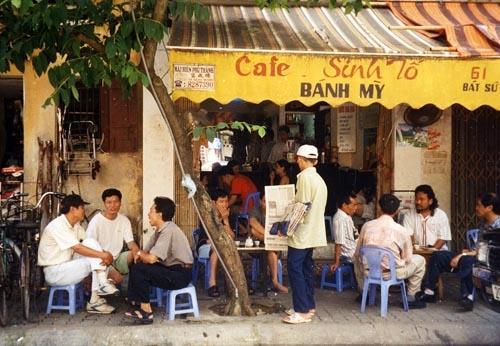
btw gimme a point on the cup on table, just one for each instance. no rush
(237, 243)
(257, 243)
(416, 246)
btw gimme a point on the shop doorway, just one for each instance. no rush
(11, 135)
(475, 164)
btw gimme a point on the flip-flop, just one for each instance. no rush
(296, 319)
(290, 312)
(141, 316)
(213, 291)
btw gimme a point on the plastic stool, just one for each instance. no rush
(205, 262)
(338, 277)
(191, 306)
(255, 272)
(156, 295)
(72, 302)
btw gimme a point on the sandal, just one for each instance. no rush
(142, 316)
(213, 291)
(296, 319)
(132, 309)
(290, 312)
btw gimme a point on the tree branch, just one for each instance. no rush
(90, 42)
(150, 46)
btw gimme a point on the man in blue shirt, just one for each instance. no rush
(488, 210)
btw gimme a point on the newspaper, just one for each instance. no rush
(279, 199)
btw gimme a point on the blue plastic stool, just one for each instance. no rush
(255, 272)
(255, 197)
(205, 262)
(156, 296)
(329, 221)
(71, 303)
(338, 277)
(191, 306)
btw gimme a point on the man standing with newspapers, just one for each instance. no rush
(311, 189)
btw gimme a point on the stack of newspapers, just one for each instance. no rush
(294, 215)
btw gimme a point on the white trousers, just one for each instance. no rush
(77, 269)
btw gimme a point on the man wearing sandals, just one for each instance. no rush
(310, 234)
(111, 229)
(165, 262)
(66, 261)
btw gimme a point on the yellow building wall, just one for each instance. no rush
(414, 166)
(122, 171)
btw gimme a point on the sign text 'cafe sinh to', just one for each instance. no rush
(256, 77)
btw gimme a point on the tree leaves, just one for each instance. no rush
(44, 31)
(210, 132)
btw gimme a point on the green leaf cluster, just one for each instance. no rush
(210, 132)
(87, 41)
(93, 42)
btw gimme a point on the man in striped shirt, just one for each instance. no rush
(344, 231)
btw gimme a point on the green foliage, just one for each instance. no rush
(210, 132)
(71, 32)
(94, 41)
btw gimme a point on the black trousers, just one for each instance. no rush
(440, 263)
(142, 276)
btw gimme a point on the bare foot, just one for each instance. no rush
(280, 288)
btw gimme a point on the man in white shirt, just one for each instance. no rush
(344, 231)
(66, 261)
(427, 224)
(280, 148)
(111, 229)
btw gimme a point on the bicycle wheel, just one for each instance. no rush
(3, 293)
(24, 275)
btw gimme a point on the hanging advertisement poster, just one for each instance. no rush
(346, 128)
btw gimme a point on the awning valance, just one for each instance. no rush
(320, 54)
(473, 28)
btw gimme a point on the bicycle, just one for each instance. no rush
(7, 250)
(31, 280)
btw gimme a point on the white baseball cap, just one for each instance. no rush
(308, 151)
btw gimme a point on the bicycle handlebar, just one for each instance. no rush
(56, 194)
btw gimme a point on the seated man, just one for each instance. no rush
(488, 211)
(384, 232)
(220, 201)
(165, 261)
(239, 187)
(111, 229)
(66, 261)
(428, 225)
(344, 231)
(257, 223)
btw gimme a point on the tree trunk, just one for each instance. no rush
(239, 302)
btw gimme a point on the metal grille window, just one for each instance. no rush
(87, 109)
(114, 119)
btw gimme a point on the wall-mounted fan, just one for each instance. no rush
(421, 117)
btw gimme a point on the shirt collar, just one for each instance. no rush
(163, 227)
(386, 217)
(308, 169)
(66, 222)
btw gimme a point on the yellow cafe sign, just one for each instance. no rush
(335, 79)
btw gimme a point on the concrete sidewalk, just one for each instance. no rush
(338, 321)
